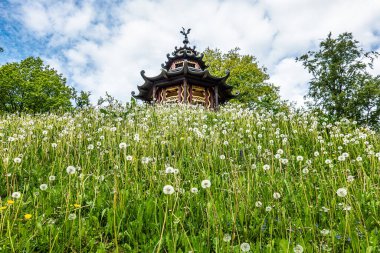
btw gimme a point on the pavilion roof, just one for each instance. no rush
(171, 76)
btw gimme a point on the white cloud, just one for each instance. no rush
(292, 78)
(103, 47)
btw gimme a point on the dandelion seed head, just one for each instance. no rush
(194, 190)
(71, 170)
(43, 187)
(16, 195)
(122, 145)
(245, 247)
(298, 249)
(266, 167)
(325, 231)
(276, 195)
(347, 208)
(227, 237)
(72, 216)
(169, 170)
(168, 189)
(350, 179)
(342, 192)
(206, 184)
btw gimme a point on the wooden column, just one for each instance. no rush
(185, 91)
(216, 97)
(154, 94)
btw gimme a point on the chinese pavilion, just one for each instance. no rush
(184, 78)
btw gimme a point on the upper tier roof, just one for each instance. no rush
(184, 53)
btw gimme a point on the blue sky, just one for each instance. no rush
(102, 45)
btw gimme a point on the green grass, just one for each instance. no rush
(113, 203)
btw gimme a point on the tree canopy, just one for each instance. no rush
(249, 80)
(341, 85)
(31, 86)
(82, 99)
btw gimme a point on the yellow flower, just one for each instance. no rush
(10, 202)
(76, 205)
(27, 216)
(3, 208)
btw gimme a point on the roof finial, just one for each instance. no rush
(185, 33)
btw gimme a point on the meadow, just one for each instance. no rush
(185, 179)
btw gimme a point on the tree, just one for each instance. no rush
(30, 86)
(248, 79)
(1, 50)
(83, 99)
(341, 85)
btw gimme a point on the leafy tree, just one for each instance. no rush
(1, 49)
(341, 85)
(83, 99)
(248, 79)
(31, 86)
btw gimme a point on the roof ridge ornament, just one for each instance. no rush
(185, 33)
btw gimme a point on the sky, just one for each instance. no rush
(101, 46)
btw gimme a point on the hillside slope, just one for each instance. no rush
(181, 179)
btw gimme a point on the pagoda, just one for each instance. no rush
(184, 78)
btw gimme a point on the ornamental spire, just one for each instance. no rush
(185, 33)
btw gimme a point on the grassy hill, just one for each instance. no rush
(182, 179)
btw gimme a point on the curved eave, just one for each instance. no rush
(143, 95)
(145, 89)
(183, 71)
(189, 71)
